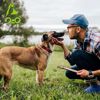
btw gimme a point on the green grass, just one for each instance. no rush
(56, 85)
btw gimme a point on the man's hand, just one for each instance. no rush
(60, 43)
(83, 73)
(57, 42)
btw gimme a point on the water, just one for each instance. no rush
(34, 39)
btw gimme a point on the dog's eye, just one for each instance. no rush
(45, 37)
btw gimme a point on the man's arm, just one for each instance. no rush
(96, 72)
(85, 73)
(97, 50)
(66, 51)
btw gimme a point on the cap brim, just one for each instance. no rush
(68, 21)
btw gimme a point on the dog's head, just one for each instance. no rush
(47, 40)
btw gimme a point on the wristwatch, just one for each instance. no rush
(90, 74)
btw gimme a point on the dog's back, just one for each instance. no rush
(10, 50)
(21, 54)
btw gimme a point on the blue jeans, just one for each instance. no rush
(82, 60)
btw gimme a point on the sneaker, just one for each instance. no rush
(93, 89)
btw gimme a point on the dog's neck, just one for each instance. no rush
(48, 47)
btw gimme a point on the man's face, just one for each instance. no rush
(72, 30)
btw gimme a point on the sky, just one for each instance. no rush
(48, 14)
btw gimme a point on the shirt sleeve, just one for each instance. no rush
(70, 60)
(70, 56)
(95, 44)
(97, 50)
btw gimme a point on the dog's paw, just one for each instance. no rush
(4, 89)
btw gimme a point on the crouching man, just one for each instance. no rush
(86, 55)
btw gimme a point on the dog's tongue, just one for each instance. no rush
(60, 39)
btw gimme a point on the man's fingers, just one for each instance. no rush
(55, 40)
(83, 73)
(79, 72)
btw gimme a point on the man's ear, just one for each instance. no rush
(78, 29)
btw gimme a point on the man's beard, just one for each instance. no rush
(75, 36)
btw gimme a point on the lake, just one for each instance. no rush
(33, 39)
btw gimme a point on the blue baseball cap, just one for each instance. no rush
(77, 19)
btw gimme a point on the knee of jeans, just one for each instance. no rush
(68, 74)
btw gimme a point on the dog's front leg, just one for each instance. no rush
(39, 76)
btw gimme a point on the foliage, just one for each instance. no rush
(22, 32)
(13, 9)
(2, 45)
(18, 6)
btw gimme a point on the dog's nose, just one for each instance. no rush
(44, 37)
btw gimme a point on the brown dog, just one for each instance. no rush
(34, 58)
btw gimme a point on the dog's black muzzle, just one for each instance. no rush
(55, 35)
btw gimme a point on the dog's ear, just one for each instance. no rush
(45, 37)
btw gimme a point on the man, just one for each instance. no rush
(86, 55)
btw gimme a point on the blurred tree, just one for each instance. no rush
(13, 16)
(12, 13)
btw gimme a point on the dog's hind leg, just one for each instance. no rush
(39, 76)
(0, 77)
(7, 78)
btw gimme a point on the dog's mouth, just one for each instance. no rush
(59, 39)
(45, 38)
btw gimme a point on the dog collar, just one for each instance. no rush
(47, 49)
